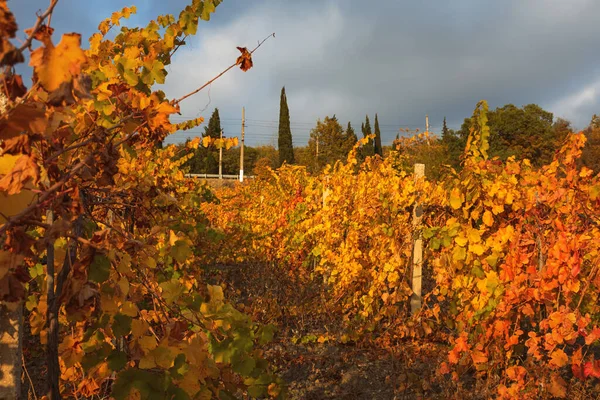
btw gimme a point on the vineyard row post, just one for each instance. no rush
(242, 148)
(417, 264)
(221, 158)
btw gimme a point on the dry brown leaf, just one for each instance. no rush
(245, 59)
(24, 170)
(12, 86)
(16, 145)
(24, 118)
(43, 34)
(9, 55)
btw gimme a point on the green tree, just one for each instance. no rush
(368, 149)
(329, 135)
(377, 149)
(591, 152)
(286, 148)
(214, 126)
(453, 145)
(526, 132)
(445, 130)
(350, 138)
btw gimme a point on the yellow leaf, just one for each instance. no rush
(459, 254)
(147, 343)
(455, 199)
(216, 293)
(488, 219)
(57, 65)
(147, 362)
(461, 241)
(206, 141)
(129, 309)
(477, 249)
(164, 356)
(194, 143)
(139, 328)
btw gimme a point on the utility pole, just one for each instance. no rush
(221, 158)
(427, 129)
(242, 149)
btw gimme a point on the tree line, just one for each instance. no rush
(522, 132)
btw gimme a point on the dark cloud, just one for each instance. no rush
(401, 59)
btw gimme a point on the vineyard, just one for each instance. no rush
(138, 282)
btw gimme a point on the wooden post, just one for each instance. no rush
(326, 190)
(317, 157)
(417, 267)
(221, 159)
(242, 148)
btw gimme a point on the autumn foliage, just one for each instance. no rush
(512, 258)
(102, 232)
(106, 243)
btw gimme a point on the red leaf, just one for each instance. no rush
(592, 368)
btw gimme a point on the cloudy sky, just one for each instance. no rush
(402, 59)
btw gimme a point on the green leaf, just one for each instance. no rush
(245, 366)
(429, 232)
(36, 270)
(266, 333)
(225, 395)
(180, 367)
(181, 251)
(155, 72)
(117, 360)
(209, 7)
(257, 391)
(99, 269)
(121, 325)
(171, 290)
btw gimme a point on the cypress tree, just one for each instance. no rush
(286, 149)
(214, 126)
(445, 130)
(368, 149)
(378, 149)
(349, 138)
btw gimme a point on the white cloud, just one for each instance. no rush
(578, 107)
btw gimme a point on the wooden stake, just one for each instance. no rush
(242, 149)
(417, 272)
(221, 159)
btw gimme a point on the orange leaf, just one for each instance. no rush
(479, 357)
(55, 66)
(558, 387)
(559, 358)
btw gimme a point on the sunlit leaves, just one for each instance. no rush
(57, 67)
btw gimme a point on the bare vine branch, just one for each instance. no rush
(37, 25)
(221, 74)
